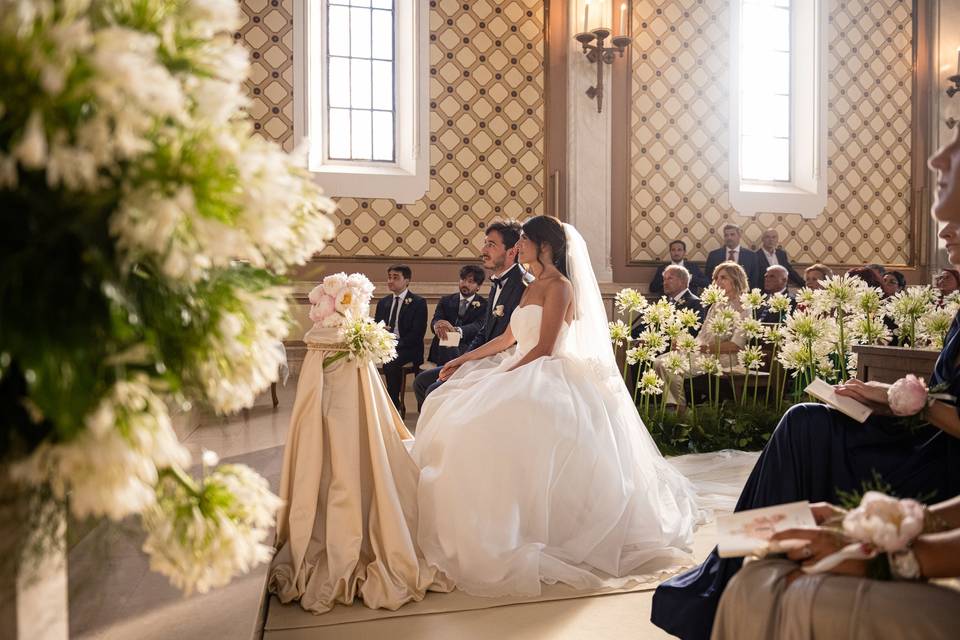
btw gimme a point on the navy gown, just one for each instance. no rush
(814, 452)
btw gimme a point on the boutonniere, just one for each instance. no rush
(475, 304)
(498, 311)
(407, 300)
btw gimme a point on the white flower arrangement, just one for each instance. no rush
(712, 295)
(752, 299)
(366, 341)
(650, 383)
(130, 169)
(630, 301)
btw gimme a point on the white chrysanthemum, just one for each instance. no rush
(654, 340)
(934, 326)
(710, 365)
(688, 318)
(750, 358)
(640, 354)
(202, 538)
(244, 358)
(675, 363)
(619, 333)
(752, 328)
(752, 299)
(686, 343)
(650, 383)
(712, 295)
(630, 301)
(110, 468)
(779, 303)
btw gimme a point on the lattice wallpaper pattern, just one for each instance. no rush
(680, 107)
(487, 86)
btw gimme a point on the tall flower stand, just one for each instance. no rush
(33, 593)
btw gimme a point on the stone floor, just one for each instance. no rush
(114, 595)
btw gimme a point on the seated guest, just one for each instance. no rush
(771, 253)
(460, 312)
(893, 283)
(732, 251)
(816, 453)
(775, 599)
(868, 275)
(676, 281)
(813, 274)
(507, 285)
(774, 282)
(405, 314)
(678, 254)
(878, 270)
(947, 281)
(730, 277)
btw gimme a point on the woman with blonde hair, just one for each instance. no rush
(732, 280)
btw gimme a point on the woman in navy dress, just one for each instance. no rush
(816, 452)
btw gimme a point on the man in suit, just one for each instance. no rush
(678, 255)
(676, 281)
(732, 251)
(771, 253)
(506, 288)
(774, 282)
(461, 313)
(405, 314)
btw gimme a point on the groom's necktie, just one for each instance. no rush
(394, 312)
(463, 308)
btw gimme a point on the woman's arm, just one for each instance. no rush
(938, 554)
(555, 305)
(874, 394)
(501, 343)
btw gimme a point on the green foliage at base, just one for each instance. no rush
(706, 428)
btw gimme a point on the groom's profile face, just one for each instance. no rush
(494, 252)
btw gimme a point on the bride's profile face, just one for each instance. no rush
(527, 252)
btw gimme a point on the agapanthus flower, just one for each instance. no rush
(630, 301)
(650, 383)
(640, 354)
(750, 358)
(712, 295)
(752, 299)
(654, 340)
(619, 333)
(675, 363)
(779, 303)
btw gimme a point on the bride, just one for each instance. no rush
(535, 466)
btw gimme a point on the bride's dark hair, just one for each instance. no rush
(548, 229)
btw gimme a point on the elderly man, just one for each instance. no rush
(678, 256)
(771, 253)
(676, 286)
(774, 282)
(732, 251)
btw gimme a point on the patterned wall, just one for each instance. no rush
(680, 106)
(486, 125)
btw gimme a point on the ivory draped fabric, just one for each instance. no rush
(348, 527)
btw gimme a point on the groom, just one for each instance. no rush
(506, 287)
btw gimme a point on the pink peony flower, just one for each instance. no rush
(315, 293)
(907, 396)
(884, 522)
(323, 308)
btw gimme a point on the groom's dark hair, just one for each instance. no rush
(509, 230)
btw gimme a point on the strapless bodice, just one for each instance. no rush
(525, 325)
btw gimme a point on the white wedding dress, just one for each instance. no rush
(546, 473)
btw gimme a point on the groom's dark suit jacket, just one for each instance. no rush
(411, 326)
(497, 318)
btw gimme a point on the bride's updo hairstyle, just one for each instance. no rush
(547, 229)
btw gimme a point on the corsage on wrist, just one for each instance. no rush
(880, 525)
(909, 396)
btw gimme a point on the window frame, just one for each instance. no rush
(806, 192)
(407, 178)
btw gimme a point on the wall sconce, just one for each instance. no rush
(597, 52)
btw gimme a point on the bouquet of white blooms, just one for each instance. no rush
(146, 231)
(343, 302)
